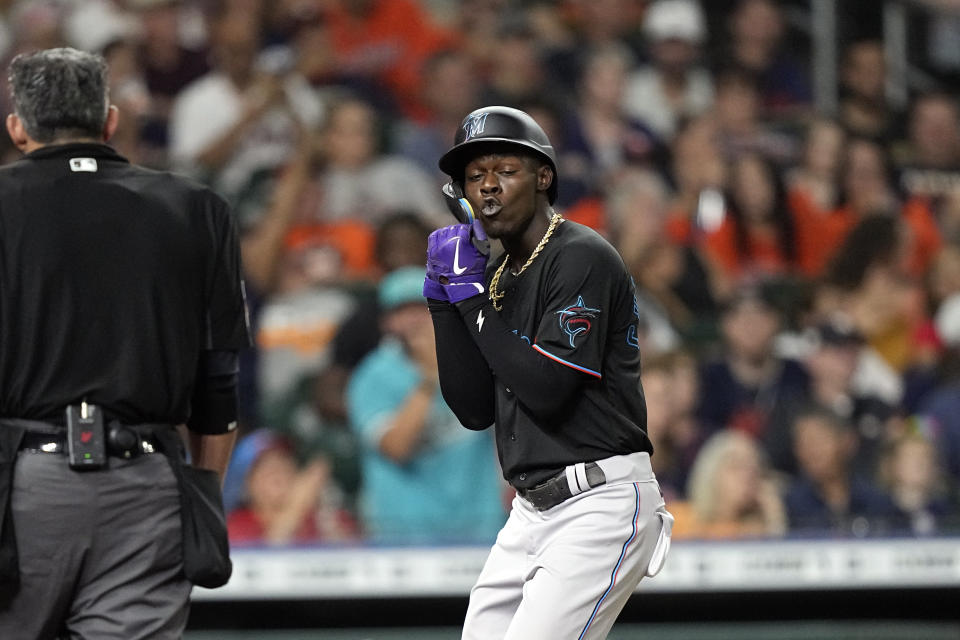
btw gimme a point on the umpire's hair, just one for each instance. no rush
(60, 93)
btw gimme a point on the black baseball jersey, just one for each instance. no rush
(113, 278)
(574, 304)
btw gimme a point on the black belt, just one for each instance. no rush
(122, 442)
(552, 492)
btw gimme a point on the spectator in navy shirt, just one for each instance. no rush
(828, 498)
(749, 382)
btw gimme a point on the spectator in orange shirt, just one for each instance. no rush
(699, 173)
(383, 43)
(813, 190)
(757, 237)
(869, 189)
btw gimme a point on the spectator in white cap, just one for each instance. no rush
(673, 87)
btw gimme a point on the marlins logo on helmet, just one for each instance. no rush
(474, 125)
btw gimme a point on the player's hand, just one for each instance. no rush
(455, 266)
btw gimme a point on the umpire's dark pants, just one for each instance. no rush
(99, 551)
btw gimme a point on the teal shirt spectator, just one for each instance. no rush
(449, 491)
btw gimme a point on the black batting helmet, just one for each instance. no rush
(498, 125)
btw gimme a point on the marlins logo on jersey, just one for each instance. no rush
(576, 320)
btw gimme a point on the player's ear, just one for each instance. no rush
(110, 126)
(544, 177)
(17, 132)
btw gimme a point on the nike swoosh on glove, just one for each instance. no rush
(455, 267)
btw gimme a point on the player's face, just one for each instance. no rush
(503, 191)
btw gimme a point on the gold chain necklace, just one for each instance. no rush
(495, 295)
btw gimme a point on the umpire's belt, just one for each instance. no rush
(123, 441)
(573, 480)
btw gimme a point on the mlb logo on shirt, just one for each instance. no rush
(83, 164)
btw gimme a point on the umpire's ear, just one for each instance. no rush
(17, 132)
(110, 126)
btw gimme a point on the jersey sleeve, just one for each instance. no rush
(226, 320)
(579, 301)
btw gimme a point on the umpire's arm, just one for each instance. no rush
(213, 417)
(212, 452)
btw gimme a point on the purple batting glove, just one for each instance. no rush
(434, 290)
(454, 264)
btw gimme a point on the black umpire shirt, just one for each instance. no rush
(113, 279)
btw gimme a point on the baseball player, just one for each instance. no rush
(542, 343)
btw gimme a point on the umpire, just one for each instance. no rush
(121, 314)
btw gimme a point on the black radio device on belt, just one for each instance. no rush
(86, 444)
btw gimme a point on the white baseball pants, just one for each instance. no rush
(567, 572)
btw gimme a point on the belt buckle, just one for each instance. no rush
(557, 490)
(548, 493)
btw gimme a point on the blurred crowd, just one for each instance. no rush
(798, 271)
